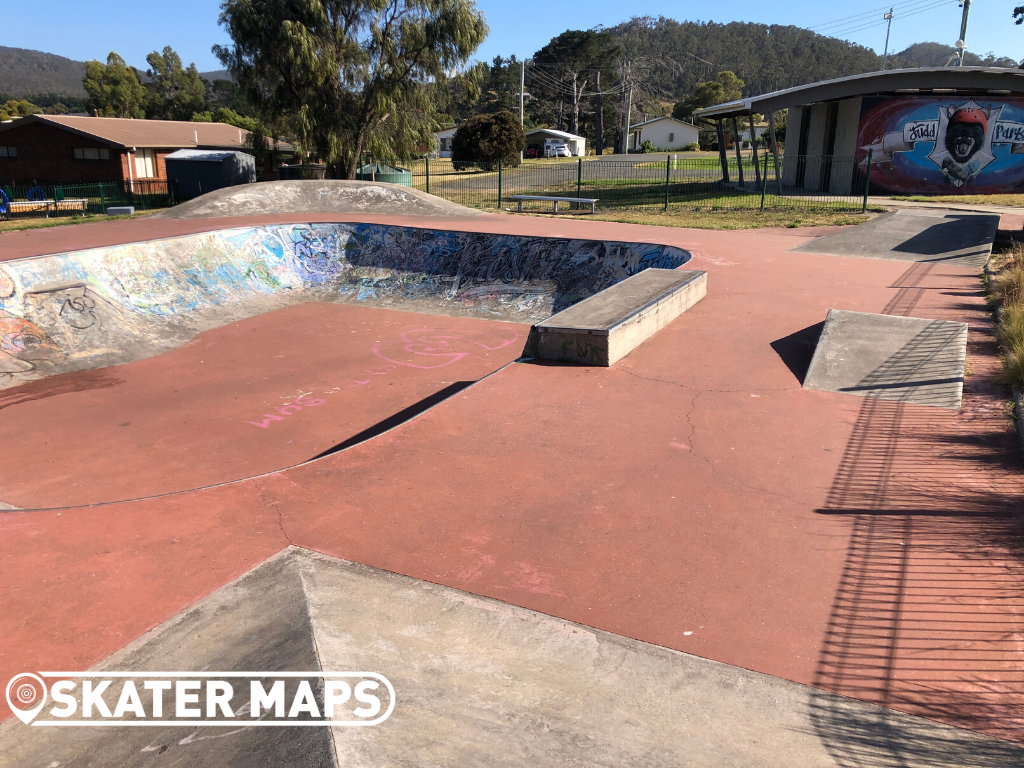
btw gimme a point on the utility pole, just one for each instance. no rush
(599, 118)
(625, 134)
(522, 86)
(887, 17)
(961, 44)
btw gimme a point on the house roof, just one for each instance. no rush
(126, 133)
(659, 119)
(939, 81)
(553, 132)
(210, 155)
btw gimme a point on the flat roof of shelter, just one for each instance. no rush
(990, 81)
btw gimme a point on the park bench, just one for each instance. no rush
(47, 207)
(591, 201)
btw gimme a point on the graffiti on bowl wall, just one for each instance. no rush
(933, 145)
(119, 303)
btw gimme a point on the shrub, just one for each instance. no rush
(489, 138)
(647, 147)
(1010, 283)
(693, 146)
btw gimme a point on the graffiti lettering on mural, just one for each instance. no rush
(426, 348)
(287, 410)
(924, 144)
(145, 298)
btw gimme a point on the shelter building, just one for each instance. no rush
(935, 130)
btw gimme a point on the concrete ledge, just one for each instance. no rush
(120, 210)
(608, 326)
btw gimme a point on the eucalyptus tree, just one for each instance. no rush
(350, 75)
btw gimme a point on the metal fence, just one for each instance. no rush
(61, 200)
(824, 182)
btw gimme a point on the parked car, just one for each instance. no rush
(557, 150)
(531, 152)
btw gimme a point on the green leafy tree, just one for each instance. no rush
(1018, 14)
(725, 87)
(350, 75)
(114, 88)
(18, 108)
(175, 93)
(489, 138)
(572, 59)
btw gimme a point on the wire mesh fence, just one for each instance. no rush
(823, 182)
(61, 200)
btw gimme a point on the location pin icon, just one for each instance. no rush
(23, 691)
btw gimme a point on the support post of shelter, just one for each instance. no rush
(739, 155)
(753, 149)
(722, 157)
(775, 152)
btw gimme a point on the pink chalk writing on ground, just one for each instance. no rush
(423, 348)
(427, 348)
(287, 410)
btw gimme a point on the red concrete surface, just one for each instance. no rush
(237, 401)
(692, 496)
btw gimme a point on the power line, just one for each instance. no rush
(925, 9)
(859, 18)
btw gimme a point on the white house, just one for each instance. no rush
(444, 141)
(536, 138)
(665, 133)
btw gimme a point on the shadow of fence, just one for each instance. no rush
(928, 617)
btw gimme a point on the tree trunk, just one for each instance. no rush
(561, 106)
(575, 104)
(599, 119)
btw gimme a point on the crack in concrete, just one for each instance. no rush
(693, 430)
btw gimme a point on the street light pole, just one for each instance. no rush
(887, 17)
(961, 44)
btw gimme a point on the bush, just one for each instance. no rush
(647, 147)
(489, 138)
(693, 146)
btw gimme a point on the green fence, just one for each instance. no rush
(60, 200)
(833, 182)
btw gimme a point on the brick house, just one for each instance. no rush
(68, 149)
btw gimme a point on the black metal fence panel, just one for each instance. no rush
(832, 182)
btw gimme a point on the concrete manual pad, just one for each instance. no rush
(907, 359)
(914, 235)
(606, 327)
(482, 683)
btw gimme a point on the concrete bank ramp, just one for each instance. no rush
(106, 306)
(914, 235)
(907, 359)
(477, 683)
(307, 196)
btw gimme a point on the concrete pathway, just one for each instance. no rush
(914, 235)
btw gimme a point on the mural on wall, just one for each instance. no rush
(109, 305)
(943, 145)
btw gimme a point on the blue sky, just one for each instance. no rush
(133, 29)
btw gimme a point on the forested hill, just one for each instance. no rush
(677, 55)
(24, 72)
(29, 73)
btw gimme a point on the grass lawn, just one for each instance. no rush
(1016, 201)
(734, 219)
(18, 224)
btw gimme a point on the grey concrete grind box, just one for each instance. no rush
(603, 329)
